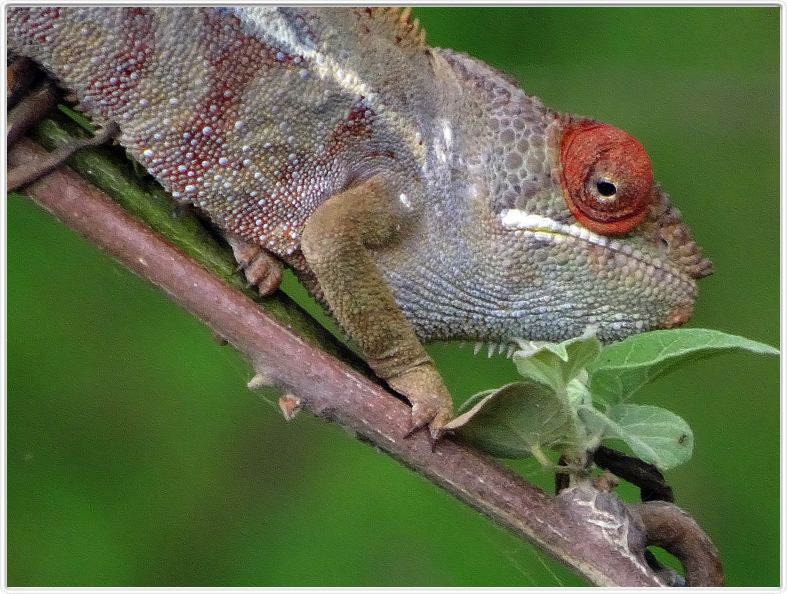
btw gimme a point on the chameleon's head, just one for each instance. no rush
(587, 236)
(554, 223)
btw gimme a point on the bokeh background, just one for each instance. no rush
(136, 456)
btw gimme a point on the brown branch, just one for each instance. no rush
(29, 111)
(674, 530)
(20, 74)
(590, 531)
(23, 175)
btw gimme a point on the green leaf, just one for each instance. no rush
(515, 421)
(623, 368)
(578, 393)
(556, 364)
(654, 434)
(77, 117)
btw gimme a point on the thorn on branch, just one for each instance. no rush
(606, 482)
(259, 381)
(290, 406)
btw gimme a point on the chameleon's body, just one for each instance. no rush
(417, 191)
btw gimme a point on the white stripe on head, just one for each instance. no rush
(514, 218)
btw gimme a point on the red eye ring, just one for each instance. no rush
(595, 156)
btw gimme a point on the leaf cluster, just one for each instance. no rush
(574, 396)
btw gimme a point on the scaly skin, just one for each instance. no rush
(438, 200)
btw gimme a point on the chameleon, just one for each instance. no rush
(418, 193)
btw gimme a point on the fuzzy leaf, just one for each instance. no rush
(654, 434)
(514, 421)
(624, 367)
(577, 393)
(556, 364)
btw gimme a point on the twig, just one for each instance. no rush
(22, 175)
(680, 534)
(29, 111)
(570, 526)
(20, 74)
(645, 476)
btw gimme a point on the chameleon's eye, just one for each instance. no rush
(606, 177)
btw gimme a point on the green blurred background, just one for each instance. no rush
(136, 456)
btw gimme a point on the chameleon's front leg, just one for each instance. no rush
(336, 243)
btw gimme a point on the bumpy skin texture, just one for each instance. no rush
(259, 115)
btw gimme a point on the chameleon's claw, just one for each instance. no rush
(433, 441)
(414, 428)
(418, 420)
(264, 272)
(432, 404)
(261, 269)
(423, 416)
(434, 423)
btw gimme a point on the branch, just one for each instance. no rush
(590, 531)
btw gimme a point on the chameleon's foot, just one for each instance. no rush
(262, 270)
(432, 404)
(25, 174)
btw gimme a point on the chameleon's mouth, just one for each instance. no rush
(544, 228)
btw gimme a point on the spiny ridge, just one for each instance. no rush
(493, 348)
(404, 27)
